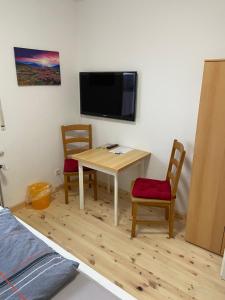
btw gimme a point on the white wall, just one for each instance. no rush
(33, 115)
(166, 42)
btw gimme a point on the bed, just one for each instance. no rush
(87, 283)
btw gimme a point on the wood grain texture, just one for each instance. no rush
(148, 267)
(103, 158)
(76, 144)
(173, 176)
(215, 60)
(73, 135)
(206, 212)
(175, 166)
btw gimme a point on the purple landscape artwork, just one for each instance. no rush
(37, 67)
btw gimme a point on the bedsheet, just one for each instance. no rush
(29, 268)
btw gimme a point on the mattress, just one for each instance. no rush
(88, 282)
(84, 287)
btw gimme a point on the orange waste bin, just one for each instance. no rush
(39, 195)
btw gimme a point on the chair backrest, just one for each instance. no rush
(175, 166)
(76, 138)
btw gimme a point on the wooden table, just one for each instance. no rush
(105, 161)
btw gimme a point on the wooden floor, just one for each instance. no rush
(150, 266)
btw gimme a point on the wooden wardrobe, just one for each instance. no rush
(206, 212)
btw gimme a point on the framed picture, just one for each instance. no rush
(37, 67)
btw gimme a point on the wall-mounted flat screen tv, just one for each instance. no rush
(108, 94)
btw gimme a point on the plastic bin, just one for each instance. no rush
(39, 195)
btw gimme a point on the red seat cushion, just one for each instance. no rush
(70, 165)
(152, 189)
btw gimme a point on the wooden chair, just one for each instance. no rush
(159, 193)
(76, 138)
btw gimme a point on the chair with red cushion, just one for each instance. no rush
(76, 138)
(159, 193)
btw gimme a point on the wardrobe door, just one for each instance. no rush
(206, 211)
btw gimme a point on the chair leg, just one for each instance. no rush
(134, 218)
(167, 213)
(95, 186)
(171, 219)
(66, 188)
(68, 183)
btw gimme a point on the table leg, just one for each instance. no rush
(108, 183)
(115, 199)
(81, 186)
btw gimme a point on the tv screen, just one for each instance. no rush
(108, 94)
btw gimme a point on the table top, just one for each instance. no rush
(103, 158)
